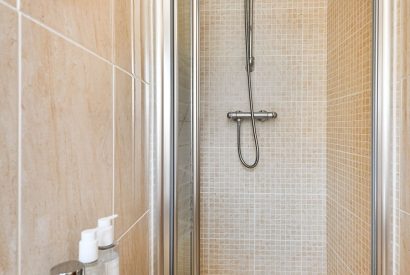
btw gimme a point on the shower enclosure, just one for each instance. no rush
(307, 195)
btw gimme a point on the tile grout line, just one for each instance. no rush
(302, 77)
(340, 259)
(113, 141)
(19, 137)
(113, 67)
(404, 212)
(132, 226)
(326, 260)
(70, 40)
(8, 5)
(133, 157)
(346, 209)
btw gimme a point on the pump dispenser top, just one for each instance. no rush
(105, 231)
(88, 246)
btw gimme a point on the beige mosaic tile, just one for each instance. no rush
(270, 220)
(348, 136)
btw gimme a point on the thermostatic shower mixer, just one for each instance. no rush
(238, 116)
(261, 115)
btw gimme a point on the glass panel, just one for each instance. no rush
(184, 184)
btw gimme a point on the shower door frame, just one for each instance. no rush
(164, 195)
(383, 156)
(165, 87)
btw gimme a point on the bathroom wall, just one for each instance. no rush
(349, 137)
(72, 88)
(401, 86)
(272, 219)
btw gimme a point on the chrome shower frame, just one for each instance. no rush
(164, 83)
(164, 157)
(382, 139)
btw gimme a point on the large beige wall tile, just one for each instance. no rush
(8, 140)
(124, 187)
(140, 157)
(87, 22)
(11, 2)
(67, 147)
(404, 54)
(403, 81)
(404, 243)
(134, 249)
(405, 147)
(130, 188)
(142, 15)
(123, 37)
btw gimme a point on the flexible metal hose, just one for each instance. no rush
(249, 68)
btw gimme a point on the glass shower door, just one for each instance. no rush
(184, 217)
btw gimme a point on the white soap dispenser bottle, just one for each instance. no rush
(109, 257)
(88, 252)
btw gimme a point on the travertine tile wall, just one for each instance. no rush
(73, 83)
(401, 86)
(349, 136)
(270, 220)
(8, 140)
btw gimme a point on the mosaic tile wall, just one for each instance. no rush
(270, 220)
(349, 137)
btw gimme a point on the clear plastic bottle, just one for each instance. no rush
(109, 257)
(110, 260)
(93, 268)
(88, 252)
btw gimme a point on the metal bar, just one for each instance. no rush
(261, 115)
(195, 137)
(174, 209)
(376, 213)
(382, 158)
(157, 217)
(168, 135)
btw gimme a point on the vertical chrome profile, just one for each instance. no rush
(155, 140)
(376, 213)
(174, 123)
(159, 201)
(165, 87)
(382, 138)
(195, 135)
(375, 262)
